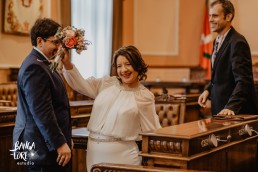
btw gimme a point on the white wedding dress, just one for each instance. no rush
(117, 118)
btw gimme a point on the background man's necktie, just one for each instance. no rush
(215, 51)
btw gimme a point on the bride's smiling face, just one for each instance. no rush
(126, 72)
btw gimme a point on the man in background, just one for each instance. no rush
(231, 88)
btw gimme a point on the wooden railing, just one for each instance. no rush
(108, 167)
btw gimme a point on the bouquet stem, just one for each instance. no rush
(54, 65)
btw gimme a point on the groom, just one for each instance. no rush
(43, 112)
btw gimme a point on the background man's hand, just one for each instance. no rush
(203, 98)
(225, 112)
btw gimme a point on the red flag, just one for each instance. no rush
(206, 44)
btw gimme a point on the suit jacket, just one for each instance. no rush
(232, 85)
(43, 111)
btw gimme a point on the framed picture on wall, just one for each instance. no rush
(20, 15)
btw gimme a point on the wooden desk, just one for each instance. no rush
(81, 104)
(80, 137)
(80, 140)
(187, 85)
(7, 118)
(7, 114)
(80, 112)
(216, 145)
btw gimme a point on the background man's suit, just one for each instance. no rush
(232, 85)
(43, 114)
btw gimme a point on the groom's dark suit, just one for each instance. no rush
(232, 85)
(43, 114)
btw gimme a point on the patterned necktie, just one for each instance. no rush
(215, 51)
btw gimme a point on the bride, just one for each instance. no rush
(123, 108)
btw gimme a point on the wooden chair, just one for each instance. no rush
(177, 109)
(8, 94)
(171, 110)
(169, 113)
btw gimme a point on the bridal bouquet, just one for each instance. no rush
(70, 38)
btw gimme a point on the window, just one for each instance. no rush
(95, 17)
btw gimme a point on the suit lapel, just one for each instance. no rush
(40, 57)
(222, 49)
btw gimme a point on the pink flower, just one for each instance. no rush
(70, 33)
(70, 42)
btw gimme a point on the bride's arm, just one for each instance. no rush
(88, 87)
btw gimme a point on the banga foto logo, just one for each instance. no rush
(24, 153)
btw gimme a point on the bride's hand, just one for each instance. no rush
(66, 59)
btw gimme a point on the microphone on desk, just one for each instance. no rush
(214, 140)
(247, 130)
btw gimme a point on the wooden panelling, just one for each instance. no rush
(164, 20)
